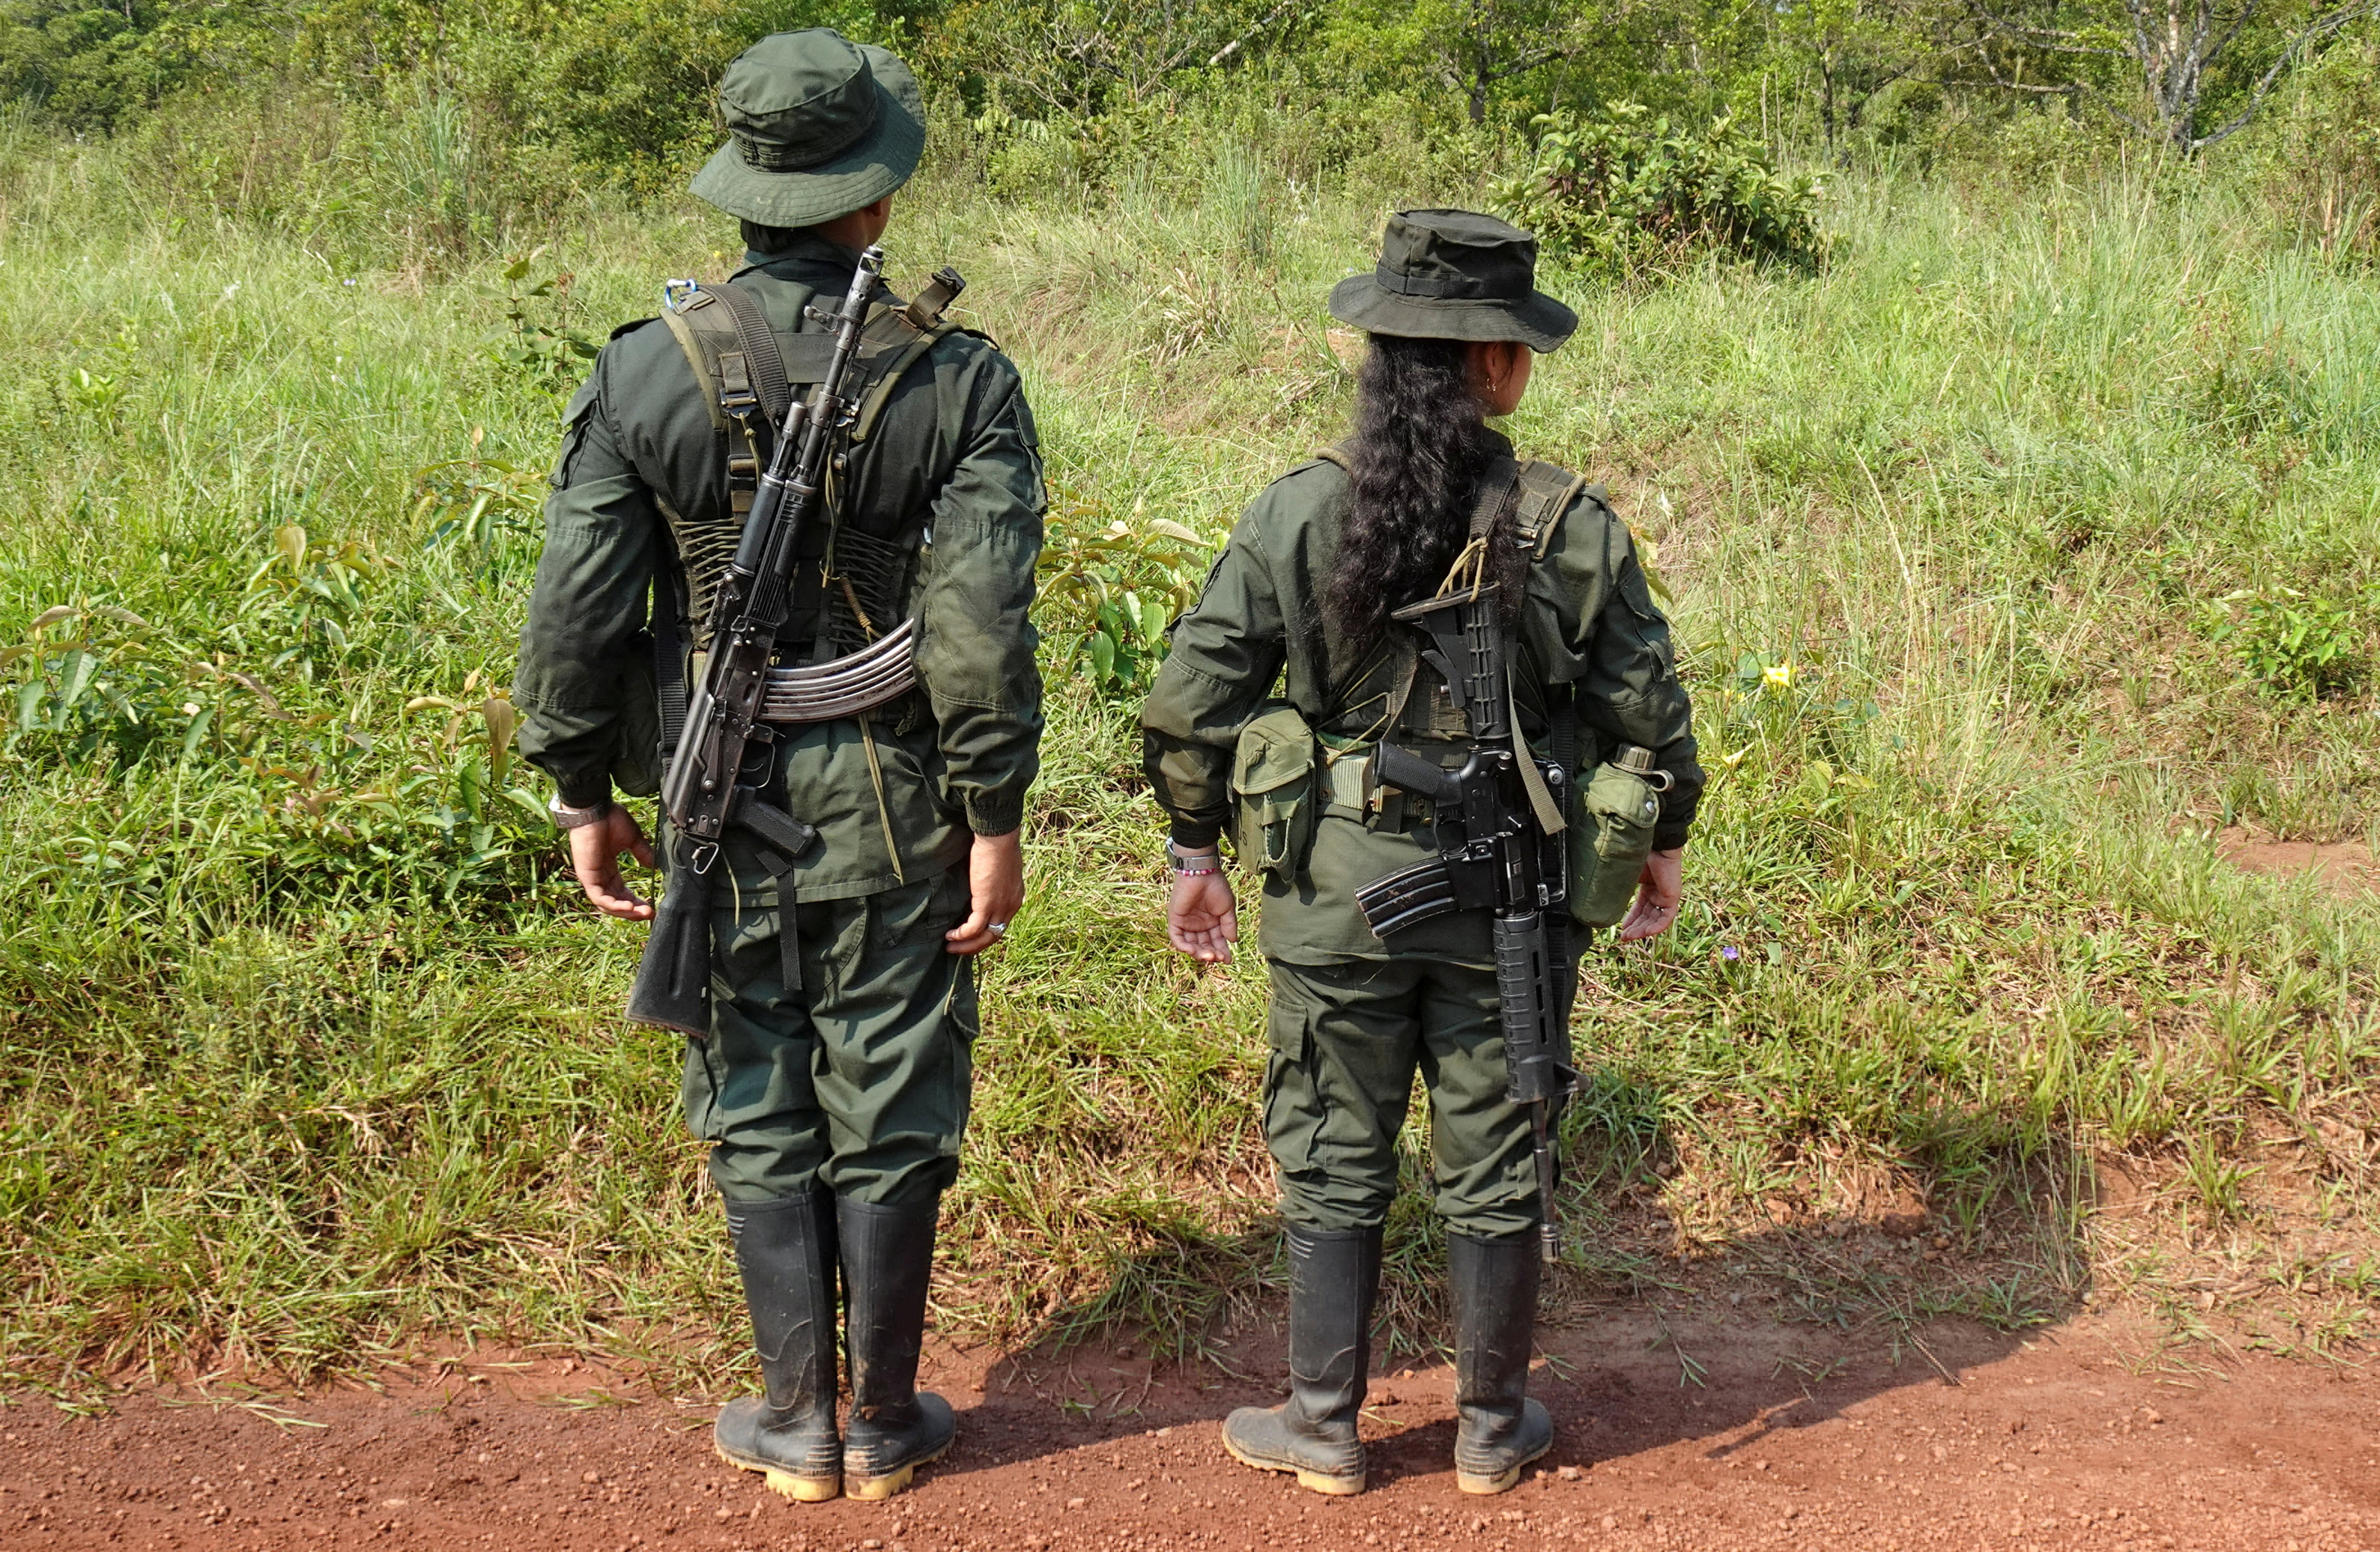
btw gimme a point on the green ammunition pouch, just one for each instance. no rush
(1272, 792)
(1610, 836)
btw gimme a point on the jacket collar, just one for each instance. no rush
(810, 258)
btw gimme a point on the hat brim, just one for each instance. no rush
(1539, 322)
(880, 163)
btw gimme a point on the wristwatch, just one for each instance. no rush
(566, 817)
(1192, 863)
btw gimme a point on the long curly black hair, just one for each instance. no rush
(1420, 448)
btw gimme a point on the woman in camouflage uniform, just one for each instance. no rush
(1306, 585)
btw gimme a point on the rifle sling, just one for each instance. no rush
(1499, 491)
(766, 363)
(780, 868)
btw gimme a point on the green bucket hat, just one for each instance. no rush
(1454, 275)
(817, 127)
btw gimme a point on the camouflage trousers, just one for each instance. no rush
(859, 1081)
(1346, 1039)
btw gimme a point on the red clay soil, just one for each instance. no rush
(2066, 1439)
(2346, 867)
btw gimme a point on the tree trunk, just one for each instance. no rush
(1827, 95)
(1483, 63)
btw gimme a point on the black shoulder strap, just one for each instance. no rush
(1547, 491)
(764, 364)
(1565, 744)
(1500, 488)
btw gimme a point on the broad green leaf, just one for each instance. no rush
(503, 720)
(74, 678)
(198, 733)
(469, 787)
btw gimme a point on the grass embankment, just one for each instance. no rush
(308, 1053)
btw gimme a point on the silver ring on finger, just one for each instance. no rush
(998, 929)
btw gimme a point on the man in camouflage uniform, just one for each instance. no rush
(833, 1084)
(1353, 1017)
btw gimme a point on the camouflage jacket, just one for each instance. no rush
(1589, 633)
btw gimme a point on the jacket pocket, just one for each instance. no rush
(1609, 843)
(1272, 792)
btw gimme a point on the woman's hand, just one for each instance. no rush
(1201, 919)
(1659, 891)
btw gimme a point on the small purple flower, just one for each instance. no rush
(1730, 956)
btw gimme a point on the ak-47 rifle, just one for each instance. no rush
(1499, 849)
(708, 788)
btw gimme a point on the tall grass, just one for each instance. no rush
(1974, 541)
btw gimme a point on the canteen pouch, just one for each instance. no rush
(1613, 836)
(1272, 792)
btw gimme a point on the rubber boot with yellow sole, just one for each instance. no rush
(1333, 1280)
(888, 1258)
(785, 1252)
(1498, 1429)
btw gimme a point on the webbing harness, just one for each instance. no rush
(748, 373)
(1532, 495)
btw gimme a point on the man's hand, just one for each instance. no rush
(595, 856)
(1202, 920)
(1659, 891)
(995, 891)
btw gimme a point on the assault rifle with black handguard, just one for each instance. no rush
(1499, 849)
(720, 765)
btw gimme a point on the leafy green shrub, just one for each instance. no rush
(2298, 646)
(2319, 166)
(538, 342)
(262, 717)
(1630, 191)
(87, 67)
(1115, 586)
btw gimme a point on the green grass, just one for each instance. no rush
(307, 1053)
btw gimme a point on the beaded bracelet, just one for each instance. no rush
(1178, 858)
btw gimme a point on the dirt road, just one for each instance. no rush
(2071, 1438)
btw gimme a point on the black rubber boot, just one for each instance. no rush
(785, 1252)
(1333, 1280)
(1500, 1429)
(888, 1256)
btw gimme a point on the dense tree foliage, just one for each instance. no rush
(461, 110)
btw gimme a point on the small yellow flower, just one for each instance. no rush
(1778, 676)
